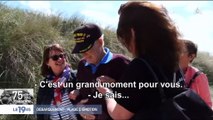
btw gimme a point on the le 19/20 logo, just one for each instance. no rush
(21, 109)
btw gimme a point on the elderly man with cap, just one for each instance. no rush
(97, 61)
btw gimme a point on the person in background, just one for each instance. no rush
(56, 70)
(97, 60)
(146, 30)
(194, 78)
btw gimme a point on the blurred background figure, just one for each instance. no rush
(194, 78)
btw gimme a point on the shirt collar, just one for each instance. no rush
(107, 57)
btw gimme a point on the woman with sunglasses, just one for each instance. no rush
(54, 89)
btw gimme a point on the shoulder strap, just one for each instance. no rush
(162, 93)
(193, 78)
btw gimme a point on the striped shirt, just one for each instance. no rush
(65, 115)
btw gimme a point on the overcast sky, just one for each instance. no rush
(193, 18)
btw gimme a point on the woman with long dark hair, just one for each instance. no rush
(149, 34)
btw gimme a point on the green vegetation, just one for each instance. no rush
(23, 35)
(204, 62)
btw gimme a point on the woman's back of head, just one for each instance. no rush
(155, 34)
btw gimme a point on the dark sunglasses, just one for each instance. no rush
(56, 57)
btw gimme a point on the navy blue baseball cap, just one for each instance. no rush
(85, 36)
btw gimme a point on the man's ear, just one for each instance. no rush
(101, 41)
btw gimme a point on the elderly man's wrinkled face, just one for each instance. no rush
(92, 56)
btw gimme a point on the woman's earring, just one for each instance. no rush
(48, 66)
